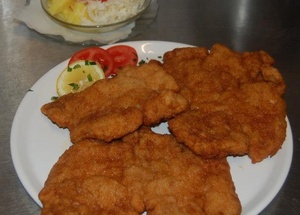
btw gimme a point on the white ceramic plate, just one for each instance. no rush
(36, 143)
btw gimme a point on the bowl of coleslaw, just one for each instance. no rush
(94, 16)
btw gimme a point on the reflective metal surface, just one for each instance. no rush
(243, 25)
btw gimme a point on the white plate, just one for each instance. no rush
(36, 143)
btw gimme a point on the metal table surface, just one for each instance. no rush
(243, 25)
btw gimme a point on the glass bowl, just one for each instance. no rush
(96, 28)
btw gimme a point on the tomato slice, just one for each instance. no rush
(95, 54)
(123, 55)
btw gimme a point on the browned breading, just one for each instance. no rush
(248, 120)
(235, 100)
(137, 95)
(143, 172)
(217, 102)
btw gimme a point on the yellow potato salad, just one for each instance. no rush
(71, 11)
(94, 12)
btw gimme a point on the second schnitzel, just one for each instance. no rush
(112, 108)
(143, 172)
(249, 120)
(236, 104)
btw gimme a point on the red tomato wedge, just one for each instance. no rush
(97, 54)
(123, 55)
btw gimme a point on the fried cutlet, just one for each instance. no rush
(236, 104)
(248, 120)
(203, 74)
(142, 172)
(112, 108)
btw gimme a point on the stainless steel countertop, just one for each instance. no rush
(243, 25)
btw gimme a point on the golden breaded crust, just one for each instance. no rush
(236, 104)
(143, 172)
(112, 108)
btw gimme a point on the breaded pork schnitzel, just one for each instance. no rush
(202, 74)
(248, 120)
(236, 104)
(112, 108)
(143, 172)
